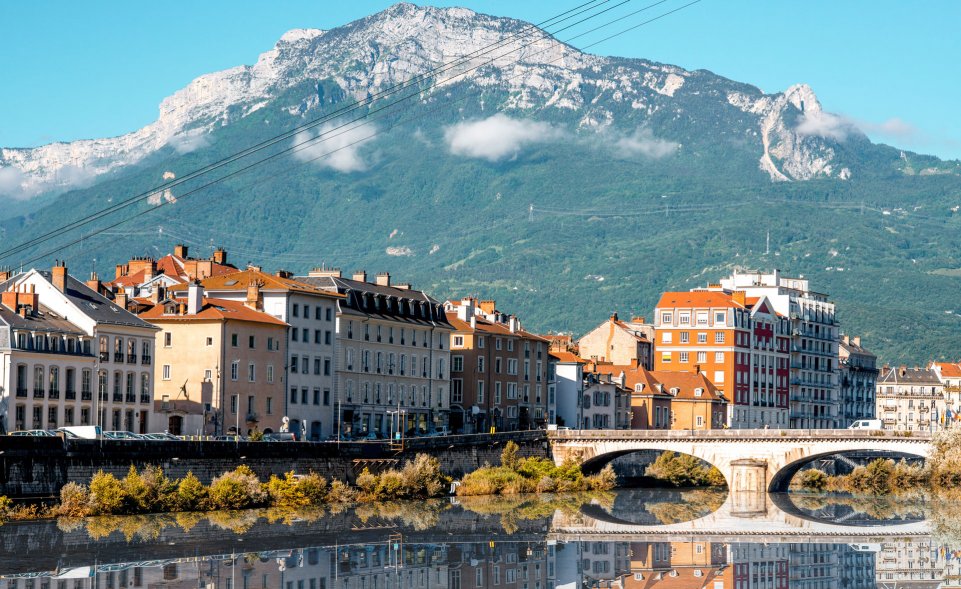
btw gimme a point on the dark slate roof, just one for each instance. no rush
(921, 376)
(97, 307)
(45, 320)
(361, 300)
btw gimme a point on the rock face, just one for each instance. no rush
(404, 41)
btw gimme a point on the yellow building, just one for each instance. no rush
(219, 366)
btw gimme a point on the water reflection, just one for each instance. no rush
(495, 544)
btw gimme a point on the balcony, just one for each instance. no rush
(145, 360)
(21, 392)
(117, 398)
(38, 393)
(70, 394)
(54, 394)
(86, 396)
(118, 357)
(145, 399)
(104, 357)
(131, 358)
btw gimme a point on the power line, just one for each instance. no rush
(324, 137)
(576, 11)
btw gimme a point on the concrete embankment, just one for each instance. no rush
(39, 467)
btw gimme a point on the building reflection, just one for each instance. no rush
(397, 564)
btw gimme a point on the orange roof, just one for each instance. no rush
(486, 326)
(214, 310)
(630, 330)
(949, 369)
(568, 357)
(240, 279)
(693, 299)
(684, 382)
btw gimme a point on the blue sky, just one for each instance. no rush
(76, 70)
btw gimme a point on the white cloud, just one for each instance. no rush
(839, 127)
(338, 149)
(643, 142)
(497, 137)
(12, 184)
(189, 141)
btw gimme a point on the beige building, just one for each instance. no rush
(220, 365)
(619, 342)
(392, 355)
(910, 399)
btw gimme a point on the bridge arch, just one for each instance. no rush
(781, 480)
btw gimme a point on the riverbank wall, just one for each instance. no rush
(38, 467)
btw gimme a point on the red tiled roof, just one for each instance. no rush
(486, 326)
(696, 299)
(241, 279)
(214, 309)
(950, 369)
(568, 357)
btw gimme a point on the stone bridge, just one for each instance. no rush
(751, 460)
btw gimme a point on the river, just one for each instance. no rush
(630, 539)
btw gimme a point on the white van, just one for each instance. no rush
(87, 432)
(866, 424)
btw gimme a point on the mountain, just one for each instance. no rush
(566, 185)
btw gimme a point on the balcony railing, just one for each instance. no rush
(145, 360)
(70, 394)
(86, 396)
(21, 392)
(104, 356)
(37, 393)
(118, 357)
(145, 398)
(117, 398)
(54, 394)
(131, 358)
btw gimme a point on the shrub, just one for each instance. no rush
(340, 492)
(423, 478)
(5, 505)
(546, 485)
(813, 479)
(286, 492)
(367, 483)
(604, 480)
(107, 495)
(683, 470)
(313, 487)
(237, 489)
(191, 494)
(509, 456)
(74, 501)
(149, 491)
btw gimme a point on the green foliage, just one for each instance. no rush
(5, 505)
(256, 435)
(532, 475)
(683, 470)
(509, 456)
(191, 494)
(812, 479)
(419, 478)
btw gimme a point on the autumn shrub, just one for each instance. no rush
(340, 492)
(107, 494)
(423, 478)
(149, 491)
(293, 491)
(812, 479)
(684, 470)
(237, 489)
(191, 494)
(74, 501)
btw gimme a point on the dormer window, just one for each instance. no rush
(639, 388)
(698, 392)
(675, 391)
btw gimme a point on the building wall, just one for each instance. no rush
(569, 392)
(691, 414)
(28, 406)
(611, 343)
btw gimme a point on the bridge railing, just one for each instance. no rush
(735, 434)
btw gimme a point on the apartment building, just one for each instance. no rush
(499, 371)
(740, 343)
(857, 380)
(393, 355)
(147, 278)
(121, 342)
(814, 391)
(677, 565)
(950, 375)
(309, 370)
(47, 365)
(219, 365)
(619, 342)
(910, 399)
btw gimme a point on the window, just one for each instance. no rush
(719, 337)
(251, 343)
(166, 372)
(456, 363)
(208, 375)
(684, 318)
(296, 310)
(168, 340)
(293, 395)
(685, 337)
(719, 357)
(457, 390)
(480, 341)
(316, 396)
(683, 357)
(306, 311)
(326, 366)
(233, 340)
(330, 314)
(702, 317)
(480, 364)
(667, 318)
(699, 421)
(702, 357)
(480, 391)
(233, 403)
(666, 337)
(665, 356)
(234, 370)
(316, 365)
(295, 334)
(328, 337)
(326, 396)
(270, 406)
(317, 334)
(294, 360)
(719, 318)
(270, 373)
(719, 377)
(251, 372)
(702, 338)
(458, 341)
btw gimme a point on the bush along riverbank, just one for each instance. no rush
(684, 471)
(940, 474)
(518, 475)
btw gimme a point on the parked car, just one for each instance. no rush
(280, 437)
(36, 433)
(65, 433)
(87, 432)
(122, 435)
(160, 437)
(866, 424)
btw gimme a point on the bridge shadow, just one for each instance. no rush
(781, 481)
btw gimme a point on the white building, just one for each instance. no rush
(814, 394)
(910, 399)
(393, 355)
(64, 314)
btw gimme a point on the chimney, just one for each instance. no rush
(403, 286)
(59, 276)
(360, 276)
(902, 370)
(195, 298)
(9, 299)
(220, 256)
(121, 270)
(325, 272)
(857, 340)
(614, 316)
(121, 298)
(284, 274)
(465, 311)
(739, 297)
(514, 324)
(473, 321)
(697, 369)
(180, 250)
(254, 300)
(845, 339)
(5, 273)
(487, 307)
(94, 283)
(156, 294)
(638, 319)
(383, 279)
